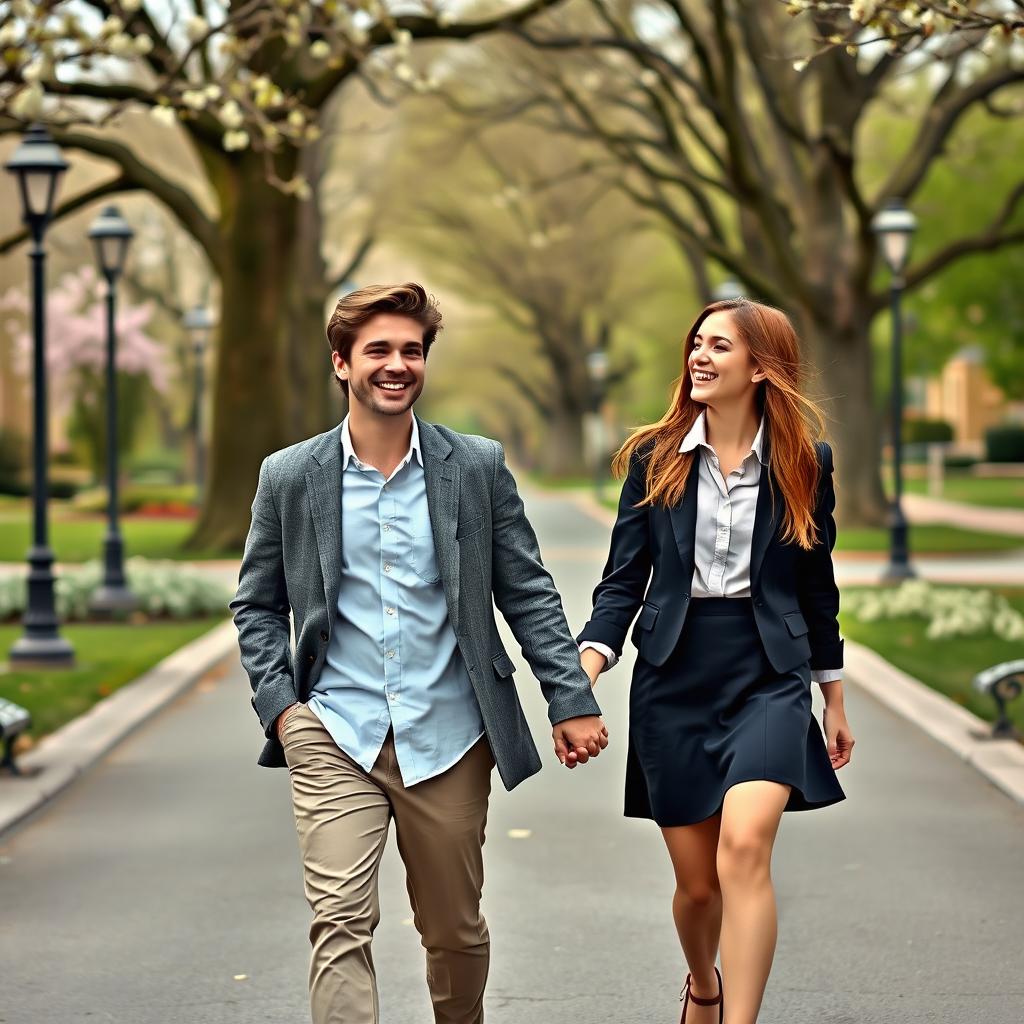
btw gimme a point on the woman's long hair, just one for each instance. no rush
(774, 347)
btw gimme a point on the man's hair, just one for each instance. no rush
(359, 307)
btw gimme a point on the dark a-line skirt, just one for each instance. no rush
(717, 714)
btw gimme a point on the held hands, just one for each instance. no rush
(837, 734)
(577, 740)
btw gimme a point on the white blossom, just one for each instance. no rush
(235, 140)
(320, 50)
(164, 114)
(27, 105)
(231, 115)
(196, 28)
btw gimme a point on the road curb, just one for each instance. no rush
(956, 728)
(65, 754)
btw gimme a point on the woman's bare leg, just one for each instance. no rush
(750, 822)
(697, 908)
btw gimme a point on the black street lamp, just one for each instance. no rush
(198, 322)
(111, 234)
(894, 225)
(38, 165)
(597, 372)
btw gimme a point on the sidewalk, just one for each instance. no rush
(921, 509)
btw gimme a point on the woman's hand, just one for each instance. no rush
(593, 663)
(837, 734)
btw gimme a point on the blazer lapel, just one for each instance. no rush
(443, 482)
(684, 523)
(767, 517)
(323, 490)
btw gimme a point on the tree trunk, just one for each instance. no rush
(842, 355)
(561, 452)
(251, 386)
(314, 396)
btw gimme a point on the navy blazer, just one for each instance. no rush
(794, 593)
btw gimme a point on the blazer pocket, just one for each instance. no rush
(470, 526)
(795, 624)
(647, 617)
(503, 667)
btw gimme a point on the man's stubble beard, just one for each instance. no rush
(367, 397)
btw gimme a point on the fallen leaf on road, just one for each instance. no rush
(241, 977)
(519, 833)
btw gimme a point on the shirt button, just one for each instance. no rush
(312, 658)
(387, 567)
(389, 654)
(387, 528)
(323, 635)
(392, 697)
(390, 611)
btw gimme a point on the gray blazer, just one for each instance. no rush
(486, 549)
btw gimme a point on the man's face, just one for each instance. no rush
(386, 366)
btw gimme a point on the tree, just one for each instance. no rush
(752, 156)
(76, 359)
(244, 84)
(547, 252)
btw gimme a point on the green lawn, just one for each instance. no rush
(995, 492)
(78, 538)
(107, 657)
(930, 539)
(946, 665)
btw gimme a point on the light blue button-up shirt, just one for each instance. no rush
(393, 661)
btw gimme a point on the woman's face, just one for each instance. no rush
(720, 365)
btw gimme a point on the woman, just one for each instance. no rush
(729, 501)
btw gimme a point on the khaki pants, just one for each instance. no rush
(342, 816)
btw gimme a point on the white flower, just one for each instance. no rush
(143, 45)
(111, 27)
(404, 73)
(296, 118)
(196, 28)
(131, 5)
(799, 65)
(8, 34)
(27, 104)
(231, 115)
(320, 50)
(402, 38)
(649, 78)
(121, 45)
(164, 114)
(194, 99)
(235, 140)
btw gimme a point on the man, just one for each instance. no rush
(386, 539)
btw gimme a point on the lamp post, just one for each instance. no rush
(894, 225)
(38, 165)
(111, 235)
(198, 322)
(597, 372)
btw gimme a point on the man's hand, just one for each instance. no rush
(577, 740)
(281, 719)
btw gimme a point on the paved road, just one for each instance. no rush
(172, 868)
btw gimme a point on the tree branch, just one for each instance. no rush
(142, 175)
(940, 121)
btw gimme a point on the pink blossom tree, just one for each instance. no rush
(76, 358)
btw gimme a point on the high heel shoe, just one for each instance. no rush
(688, 997)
